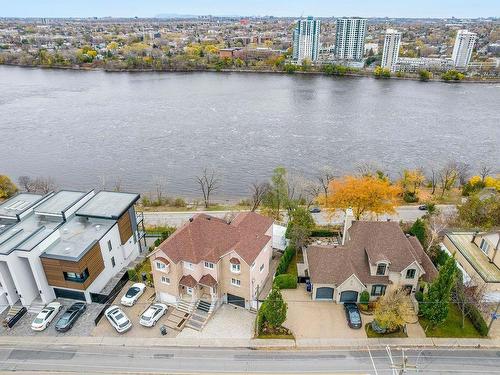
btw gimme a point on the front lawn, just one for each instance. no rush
(372, 334)
(452, 326)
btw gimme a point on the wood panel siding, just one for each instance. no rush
(55, 268)
(125, 227)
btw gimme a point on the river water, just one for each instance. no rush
(86, 129)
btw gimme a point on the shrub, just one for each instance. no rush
(290, 68)
(477, 320)
(410, 197)
(286, 281)
(453, 75)
(285, 260)
(419, 296)
(132, 275)
(322, 233)
(424, 75)
(380, 72)
(364, 298)
(179, 202)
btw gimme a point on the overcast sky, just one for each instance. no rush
(323, 8)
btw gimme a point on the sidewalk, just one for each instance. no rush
(253, 343)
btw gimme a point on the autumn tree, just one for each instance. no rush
(362, 194)
(393, 310)
(411, 180)
(209, 183)
(277, 196)
(447, 176)
(480, 213)
(7, 187)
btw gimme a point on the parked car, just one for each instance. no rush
(422, 207)
(153, 314)
(133, 294)
(45, 316)
(118, 319)
(315, 210)
(353, 316)
(70, 316)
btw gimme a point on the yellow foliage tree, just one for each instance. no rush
(7, 187)
(489, 181)
(393, 310)
(362, 194)
(412, 180)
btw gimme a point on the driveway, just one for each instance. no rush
(227, 322)
(310, 319)
(133, 313)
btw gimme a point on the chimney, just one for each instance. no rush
(349, 218)
(474, 236)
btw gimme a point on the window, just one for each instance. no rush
(381, 269)
(113, 263)
(189, 291)
(410, 274)
(160, 266)
(236, 282)
(77, 277)
(261, 268)
(110, 247)
(235, 268)
(484, 246)
(209, 265)
(378, 290)
(188, 265)
(165, 280)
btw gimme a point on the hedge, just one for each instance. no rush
(260, 320)
(285, 260)
(322, 233)
(286, 281)
(477, 320)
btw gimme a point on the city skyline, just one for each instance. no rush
(278, 8)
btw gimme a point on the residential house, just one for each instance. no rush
(477, 256)
(67, 244)
(375, 256)
(215, 261)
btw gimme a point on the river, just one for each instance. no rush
(89, 128)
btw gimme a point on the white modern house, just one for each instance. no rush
(462, 50)
(67, 244)
(390, 54)
(306, 39)
(350, 38)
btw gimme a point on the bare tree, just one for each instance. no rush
(160, 184)
(41, 185)
(447, 177)
(433, 179)
(468, 295)
(118, 185)
(312, 191)
(324, 180)
(484, 172)
(209, 182)
(366, 169)
(463, 172)
(26, 183)
(258, 192)
(436, 225)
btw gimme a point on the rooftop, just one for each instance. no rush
(59, 202)
(475, 256)
(18, 204)
(108, 205)
(77, 236)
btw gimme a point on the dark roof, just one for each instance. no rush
(430, 270)
(207, 238)
(369, 242)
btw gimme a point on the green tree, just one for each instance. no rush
(299, 227)
(424, 75)
(7, 187)
(276, 197)
(418, 230)
(480, 213)
(275, 308)
(453, 75)
(436, 302)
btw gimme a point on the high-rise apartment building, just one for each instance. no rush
(462, 51)
(306, 39)
(392, 41)
(350, 38)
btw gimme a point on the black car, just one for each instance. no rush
(353, 316)
(70, 316)
(423, 207)
(315, 210)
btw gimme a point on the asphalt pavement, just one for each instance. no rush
(156, 360)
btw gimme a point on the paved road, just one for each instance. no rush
(404, 213)
(127, 360)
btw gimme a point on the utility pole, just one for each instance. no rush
(402, 368)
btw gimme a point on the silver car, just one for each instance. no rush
(118, 319)
(152, 314)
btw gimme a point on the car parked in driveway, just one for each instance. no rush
(70, 316)
(353, 316)
(46, 316)
(118, 319)
(133, 294)
(152, 314)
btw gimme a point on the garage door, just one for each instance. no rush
(71, 294)
(349, 296)
(324, 293)
(235, 300)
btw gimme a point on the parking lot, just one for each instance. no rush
(105, 329)
(83, 326)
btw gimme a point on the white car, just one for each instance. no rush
(133, 294)
(118, 319)
(153, 314)
(45, 316)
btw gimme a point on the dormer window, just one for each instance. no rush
(235, 265)
(381, 268)
(162, 264)
(410, 274)
(485, 247)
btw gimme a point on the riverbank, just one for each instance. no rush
(361, 74)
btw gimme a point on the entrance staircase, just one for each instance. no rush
(15, 313)
(36, 306)
(201, 315)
